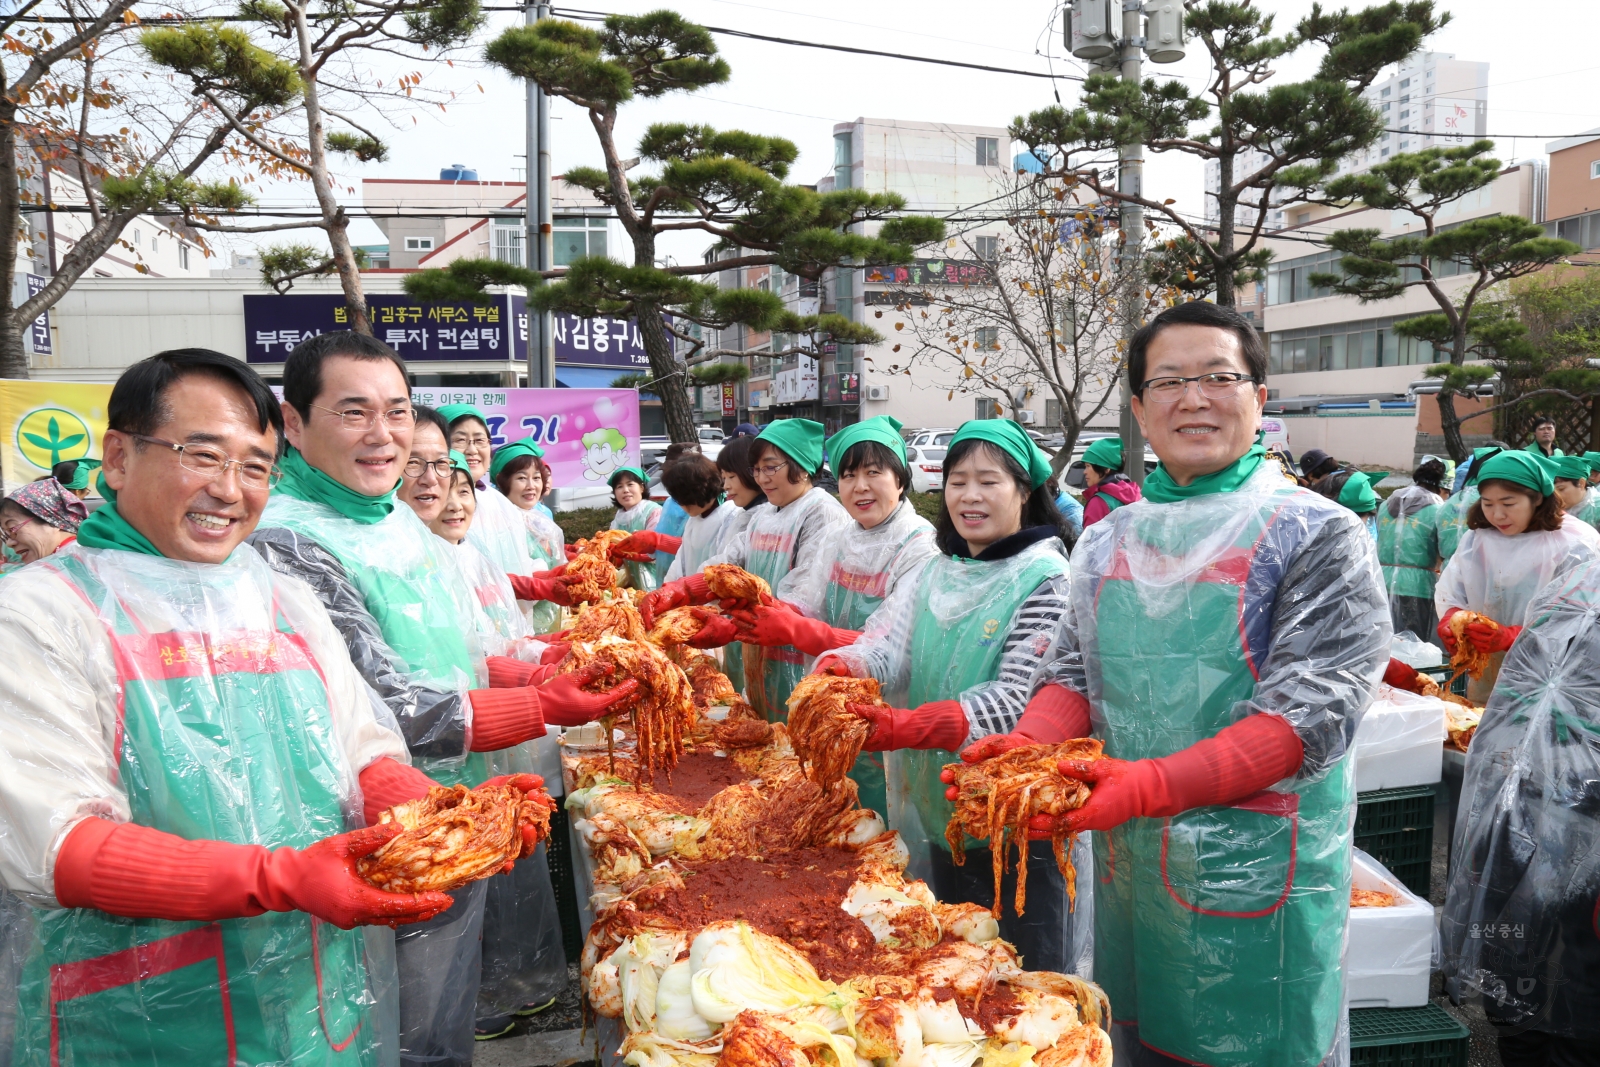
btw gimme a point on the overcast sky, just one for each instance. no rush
(1541, 89)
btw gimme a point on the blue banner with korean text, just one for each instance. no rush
(417, 330)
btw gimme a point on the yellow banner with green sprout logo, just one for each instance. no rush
(44, 423)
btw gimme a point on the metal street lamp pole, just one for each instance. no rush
(536, 208)
(1130, 181)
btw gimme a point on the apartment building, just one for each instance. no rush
(1572, 209)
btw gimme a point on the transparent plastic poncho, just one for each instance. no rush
(210, 702)
(1520, 931)
(642, 516)
(499, 530)
(854, 570)
(1221, 929)
(701, 536)
(1452, 520)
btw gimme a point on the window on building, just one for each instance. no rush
(1384, 93)
(1405, 83)
(842, 159)
(1405, 98)
(986, 337)
(183, 256)
(988, 151)
(1405, 114)
(1052, 413)
(1594, 169)
(575, 237)
(155, 245)
(507, 235)
(1386, 107)
(138, 238)
(419, 244)
(987, 247)
(987, 407)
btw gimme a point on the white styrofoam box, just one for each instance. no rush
(1391, 949)
(1400, 741)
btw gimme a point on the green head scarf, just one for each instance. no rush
(1106, 452)
(1519, 468)
(1572, 468)
(459, 462)
(305, 482)
(1357, 494)
(515, 450)
(880, 428)
(452, 413)
(1593, 459)
(1010, 439)
(106, 528)
(80, 477)
(1160, 487)
(620, 471)
(800, 440)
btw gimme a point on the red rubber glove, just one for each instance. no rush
(778, 624)
(716, 630)
(1492, 638)
(565, 702)
(832, 665)
(555, 652)
(1400, 675)
(1240, 760)
(678, 594)
(1055, 714)
(939, 724)
(570, 551)
(109, 866)
(552, 585)
(506, 672)
(1444, 633)
(642, 547)
(386, 782)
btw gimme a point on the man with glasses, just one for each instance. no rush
(409, 619)
(186, 745)
(1225, 634)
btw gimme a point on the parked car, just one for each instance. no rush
(927, 468)
(1277, 433)
(1073, 476)
(937, 438)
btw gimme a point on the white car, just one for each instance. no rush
(1277, 433)
(938, 438)
(927, 468)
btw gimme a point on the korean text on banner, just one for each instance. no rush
(586, 434)
(44, 423)
(417, 330)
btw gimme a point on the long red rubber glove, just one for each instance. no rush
(552, 585)
(131, 870)
(1240, 760)
(386, 782)
(506, 672)
(715, 630)
(502, 718)
(1055, 714)
(1492, 639)
(642, 547)
(779, 624)
(937, 724)
(678, 594)
(1401, 675)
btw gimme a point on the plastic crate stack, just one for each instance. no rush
(1395, 827)
(1406, 1037)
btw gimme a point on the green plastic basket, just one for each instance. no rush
(1395, 827)
(1407, 1037)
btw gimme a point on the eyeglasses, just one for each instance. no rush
(365, 418)
(1218, 386)
(462, 442)
(414, 468)
(770, 470)
(213, 463)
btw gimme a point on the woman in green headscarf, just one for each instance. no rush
(1408, 549)
(957, 652)
(1572, 485)
(519, 472)
(781, 537)
(832, 596)
(1105, 487)
(1518, 539)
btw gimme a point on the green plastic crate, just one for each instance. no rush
(1407, 1037)
(563, 879)
(1395, 827)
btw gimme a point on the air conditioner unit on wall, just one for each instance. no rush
(877, 392)
(1027, 418)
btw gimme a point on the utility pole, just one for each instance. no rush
(1096, 33)
(536, 209)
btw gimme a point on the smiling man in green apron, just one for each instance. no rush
(186, 746)
(410, 623)
(1228, 632)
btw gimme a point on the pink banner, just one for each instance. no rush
(586, 434)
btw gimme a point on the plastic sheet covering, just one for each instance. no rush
(1589, 509)
(1400, 741)
(1408, 550)
(1452, 520)
(548, 539)
(1414, 652)
(1390, 957)
(209, 702)
(439, 965)
(1519, 929)
(736, 522)
(642, 516)
(853, 570)
(1221, 929)
(701, 536)
(1499, 576)
(409, 588)
(500, 532)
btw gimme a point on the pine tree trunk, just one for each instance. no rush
(1451, 426)
(13, 358)
(1227, 209)
(667, 372)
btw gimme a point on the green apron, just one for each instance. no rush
(951, 652)
(1219, 931)
(640, 575)
(848, 602)
(413, 593)
(225, 735)
(1408, 550)
(544, 617)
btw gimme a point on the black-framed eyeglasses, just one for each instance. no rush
(214, 463)
(414, 468)
(366, 418)
(1216, 386)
